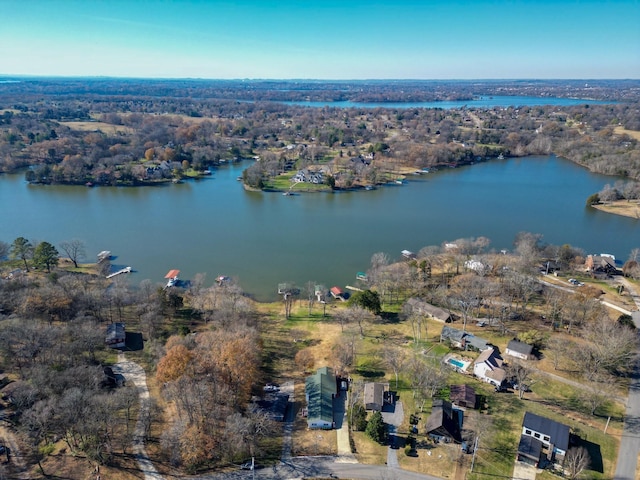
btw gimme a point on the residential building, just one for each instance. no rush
(421, 307)
(488, 367)
(543, 441)
(320, 389)
(518, 349)
(463, 340)
(374, 395)
(463, 396)
(445, 422)
(116, 335)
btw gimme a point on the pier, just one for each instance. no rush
(124, 270)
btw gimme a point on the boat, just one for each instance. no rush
(501, 157)
(369, 187)
(400, 181)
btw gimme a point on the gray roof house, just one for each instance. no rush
(320, 388)
(463, 340)
(463, 395)
(543, 441)
(116, 335)
(423, 308)
(488, 367)
(518, 349)
(374, 395)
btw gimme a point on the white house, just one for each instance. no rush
(518, 349)
(488, 367)
(542, 441)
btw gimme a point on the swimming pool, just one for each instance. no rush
(456, 363)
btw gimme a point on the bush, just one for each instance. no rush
(376, 428)
(358, 417)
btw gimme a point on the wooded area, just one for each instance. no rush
(125, 132)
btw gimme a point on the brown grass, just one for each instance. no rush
(626, 208)
(94, 126)
(623, 131)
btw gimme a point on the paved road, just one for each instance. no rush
(326, 467)
(630, 441)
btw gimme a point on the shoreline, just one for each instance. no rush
(624, 208)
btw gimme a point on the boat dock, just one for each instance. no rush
(124, 270)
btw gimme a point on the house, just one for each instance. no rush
(601, 264)
(408, 255)
(518, 349)
(445, 422)
(543, 441)
(116, 335)
(337, 292)
(463, 395)
(320, 389)
(488, 367)
(423, 308)
(463, 340)
(374, 395)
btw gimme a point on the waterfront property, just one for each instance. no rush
(116, 336)
(320, 389)
(543, 441)
(421, 307)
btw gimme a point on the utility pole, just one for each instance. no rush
(475, 449)
(253, 467)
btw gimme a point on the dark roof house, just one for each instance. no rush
(374, 395)
(116, 335)
(463, 395)
(518, 349)
(445, 422)
(463, 340)
(543, 440)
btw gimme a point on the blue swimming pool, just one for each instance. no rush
(456, 363)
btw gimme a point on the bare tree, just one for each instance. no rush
(75, 250)
(394, 358)
(576, 461)
(521, 374)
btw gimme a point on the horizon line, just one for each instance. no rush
(302, 79)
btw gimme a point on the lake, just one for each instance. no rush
(478, 102)
(214, 226)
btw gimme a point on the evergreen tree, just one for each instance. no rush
(45, 255)
(376, 428)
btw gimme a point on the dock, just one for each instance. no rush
(355, 289)
(124, 270)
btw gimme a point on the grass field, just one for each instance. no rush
(626, 208)
(94, 126)
(623, 131)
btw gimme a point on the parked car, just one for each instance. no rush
(271, 387)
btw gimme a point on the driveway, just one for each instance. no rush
(630, 441)
(134, 373)
(393, 415)
(523, 471)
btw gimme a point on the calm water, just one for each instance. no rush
(480, 102)
(213, 226)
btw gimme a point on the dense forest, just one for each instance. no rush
(136, 132)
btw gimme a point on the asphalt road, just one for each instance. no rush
(318, 467)
(630, 441)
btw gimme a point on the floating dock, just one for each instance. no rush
(124, 270)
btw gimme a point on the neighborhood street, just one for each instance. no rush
(630, 441)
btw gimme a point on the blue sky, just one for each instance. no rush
(400, 39)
